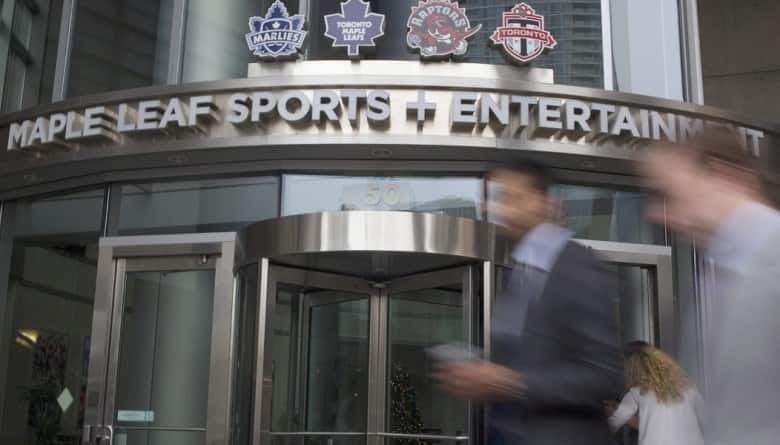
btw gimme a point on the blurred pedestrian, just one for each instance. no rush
(555, 345)
(710, 189)
(660, 393)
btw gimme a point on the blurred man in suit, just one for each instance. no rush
(710, 189)
(555, 345)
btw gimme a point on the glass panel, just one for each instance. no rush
(67, 214)
(246, 355)
(214, 45)
(740, 66)
(48, 269)
(645, 65)
(197, 206)
(163, 375)
(418, 321)
(119, 44)
(31, 53)
(320, 362)
(312, 194)
(607, 214)
(636, 303)
(337, 378)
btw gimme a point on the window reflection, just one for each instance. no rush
(28, 53)
(313, 194)
(214, 45)
(120, 44)
(607, 214)
(212, 205)
(48, 267)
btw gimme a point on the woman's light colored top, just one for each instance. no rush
(660, 423)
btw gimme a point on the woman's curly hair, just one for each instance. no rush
(652, 370)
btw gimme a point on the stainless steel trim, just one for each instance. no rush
(64, 49)
(469, 320)
(176, 51)
(120, 428)
(315, 434)
(154, 254)
(693, 78)
(658, 258)
(424, 437)
(266, 289)
(667, 329)
(221, 367)
(168, 264)
(100, 339)
(115, 334)
(606, 40)
(167, 240)
(488, 297)
(361, 231)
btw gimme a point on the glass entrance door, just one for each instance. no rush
(159, 334)
(344, 359)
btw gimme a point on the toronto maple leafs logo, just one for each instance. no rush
(439, 29)
(356, 26)
(277, 34)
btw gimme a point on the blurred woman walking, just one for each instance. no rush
(660, 393)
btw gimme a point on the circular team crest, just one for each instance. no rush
(439, 29)
(522, 34)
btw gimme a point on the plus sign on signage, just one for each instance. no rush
(522, 34)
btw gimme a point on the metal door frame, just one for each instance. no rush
(116, 257)
(269, 278)
(466, 277)
(659, 260)
(271, 275)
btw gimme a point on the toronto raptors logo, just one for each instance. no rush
(523, 35)
(439, 29)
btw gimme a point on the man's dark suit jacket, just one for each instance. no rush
(568, 352)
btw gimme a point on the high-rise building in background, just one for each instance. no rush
(575, 24)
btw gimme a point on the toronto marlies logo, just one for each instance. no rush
(522, 34)
(356, 26)
(277, 34)
(439, 28)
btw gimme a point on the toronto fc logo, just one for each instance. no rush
(522, 34)
(439, 29)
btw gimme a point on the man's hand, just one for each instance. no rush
(479, 380)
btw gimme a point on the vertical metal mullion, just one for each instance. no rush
(488, 298)
(176, 51)
(260, 414)
(223, 325)
(304, 7)
(64, 50)
(606, 45)
(693, 77)
(7, 16)
(377, 366)
(7, 211)
(115, 334)
(112, 203)
(471, 337)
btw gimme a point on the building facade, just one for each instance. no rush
(202, 246)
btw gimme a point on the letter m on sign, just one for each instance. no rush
(18, 135)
